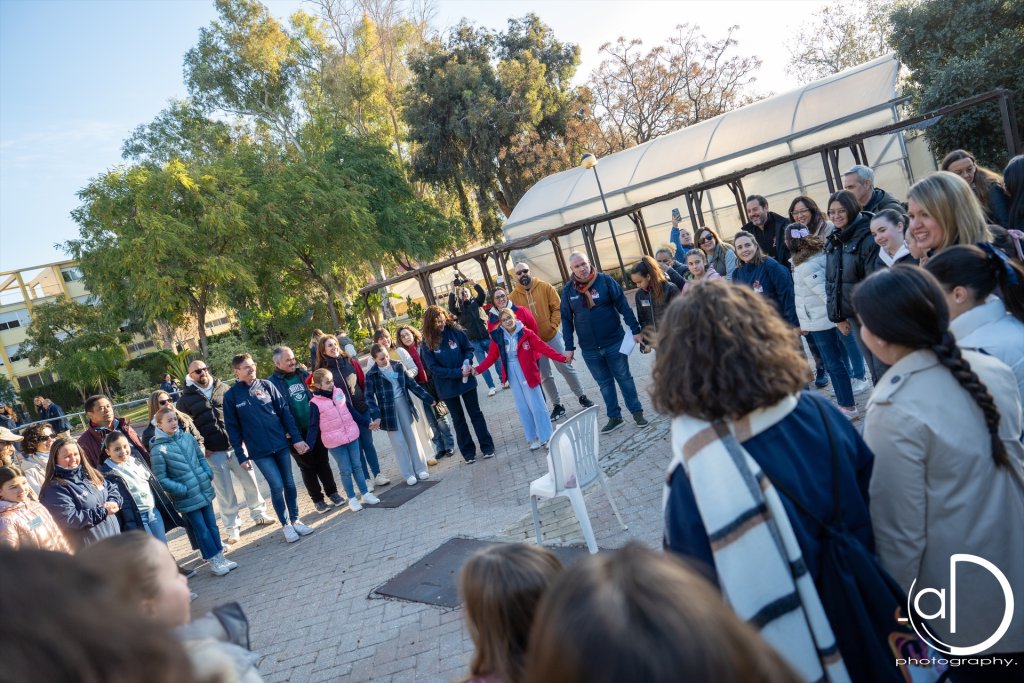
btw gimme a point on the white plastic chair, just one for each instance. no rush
(572, 467)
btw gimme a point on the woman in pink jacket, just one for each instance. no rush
(25, 523)
(520, 348)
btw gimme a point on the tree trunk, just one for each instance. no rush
(333, 309)
(201, 325)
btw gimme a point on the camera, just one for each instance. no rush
(459, 280)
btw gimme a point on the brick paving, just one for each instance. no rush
(311, 604)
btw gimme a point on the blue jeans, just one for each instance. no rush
(347, 457)
(854, 358)
(442, 439)
(608, 366)
(204, 525)
(371, 465)
(480, 351)
(154, 525)
(277, 470)
(831, 350)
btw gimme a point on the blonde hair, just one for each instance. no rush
(953, 204)
(322, 374)
(506, 313)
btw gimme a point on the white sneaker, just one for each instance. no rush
(381, 480)
(227, 563)
(369, 484)
(534, 445)
(849, 413)
(301, 528)
(370, 499)
(234, 536)
(860, 385)
(290, 534)
(423, 475)
(218, 567)
(353, 503)
(505, 385)
(411, 481)
(492, 391)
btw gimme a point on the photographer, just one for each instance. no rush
(466, 310)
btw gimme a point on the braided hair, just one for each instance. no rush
(905, 305)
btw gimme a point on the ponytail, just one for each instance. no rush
(981, 269)
(950, 357)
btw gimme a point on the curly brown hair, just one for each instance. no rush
(416, 336)
(431, 335)
(724, 354)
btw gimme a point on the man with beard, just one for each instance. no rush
(768, 228)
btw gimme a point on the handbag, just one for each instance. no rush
(440, 409)
(853, 584)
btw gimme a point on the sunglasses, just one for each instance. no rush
(524, 271)
(164, 402)
(199, 371)
(707, 238)
(48, 437)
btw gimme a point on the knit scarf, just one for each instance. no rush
(759, 562)
(421, 375)
(583, 287)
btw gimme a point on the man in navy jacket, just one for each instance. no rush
(593, 305)
(261, 429)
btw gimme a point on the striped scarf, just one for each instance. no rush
(759, 562)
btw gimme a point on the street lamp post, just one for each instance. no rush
(590, 161)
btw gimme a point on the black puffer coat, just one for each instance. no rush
(207, 415)
(850, 256)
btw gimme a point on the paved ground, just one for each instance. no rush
(311, 604)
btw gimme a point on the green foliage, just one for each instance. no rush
(220, 353)
(415, 310)
(152, 365)
(133, 383)
(177, 365)
(162, 240)
(79, 342)
(471, 96)
(956, 50)
(8, 394)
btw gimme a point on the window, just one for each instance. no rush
(37, 379)
(73, 274)
(141, 346)
(217, 323)
(88, 299)
(12, 319)
(14, 353)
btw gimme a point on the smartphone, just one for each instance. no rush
(676, 215)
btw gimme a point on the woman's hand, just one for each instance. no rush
(844, 328)
(375, 425)
(111, 507)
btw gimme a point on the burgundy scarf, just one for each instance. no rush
(421, 376)
(583, 287)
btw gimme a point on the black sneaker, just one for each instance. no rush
(470, 461)
(488, 455)
(586, 402)
(613, 424)
(187, 573)
(321, 506)
(558, 413)
(641, 421)
(820, 378)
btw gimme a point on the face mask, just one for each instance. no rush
(525, 281)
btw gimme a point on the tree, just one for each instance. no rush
(838, 37)
(8, 394)
(471, 98)
(81, 343)
(162, 240)
(956, 50)
(639, 96)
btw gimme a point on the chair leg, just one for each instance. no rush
(580, 508)
(536, 519)
(611, 501)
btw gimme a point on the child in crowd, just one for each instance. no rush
(145, 505)
(143, 575)
(501, 587)
(35, 451)
(24, 523)
(638, 615)
(391, 409)
(887, 227)
(82, 502)
(698, 269)
(181, 468)
(334, 421)
(520, 348)
(653, 295)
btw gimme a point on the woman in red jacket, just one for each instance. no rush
(520, 348)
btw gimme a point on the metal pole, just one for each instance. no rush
(615, 242)
(1006, 113)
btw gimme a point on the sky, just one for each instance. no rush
(78, 76)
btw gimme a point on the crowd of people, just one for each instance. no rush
(793, 537)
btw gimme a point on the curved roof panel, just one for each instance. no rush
(843, 104)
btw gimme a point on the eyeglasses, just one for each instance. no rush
(200, 371)
(524, 271)
(500, 296)
(801, 212)
(164, 401)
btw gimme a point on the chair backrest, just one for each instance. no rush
(572, 458)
